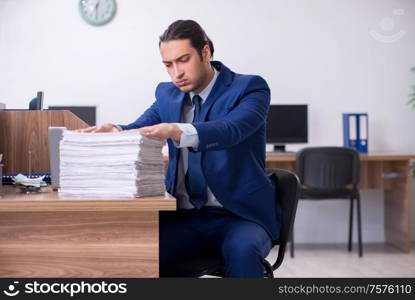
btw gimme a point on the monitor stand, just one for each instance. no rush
(280, 149)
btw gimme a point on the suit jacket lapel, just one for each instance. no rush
(222, 82)
(175, 107)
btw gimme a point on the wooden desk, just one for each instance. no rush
(44, 235)
(389, 172)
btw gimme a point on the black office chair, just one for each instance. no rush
(288, 191)
(37, 102)
(330, 173)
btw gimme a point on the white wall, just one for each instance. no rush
(318, 52)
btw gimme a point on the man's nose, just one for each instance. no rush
(178, 72)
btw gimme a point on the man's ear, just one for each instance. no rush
(206, 53)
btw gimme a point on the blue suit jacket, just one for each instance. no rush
(231, 140)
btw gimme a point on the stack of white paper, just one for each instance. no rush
(110, 165)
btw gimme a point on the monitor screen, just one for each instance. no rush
(85, 113)
(287, 124)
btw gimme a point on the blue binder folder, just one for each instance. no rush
(355, 131)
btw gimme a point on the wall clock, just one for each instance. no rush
(97, 12)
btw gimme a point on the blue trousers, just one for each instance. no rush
(213, 231)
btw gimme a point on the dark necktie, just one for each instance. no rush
(194, 179)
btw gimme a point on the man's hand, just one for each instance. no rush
(102, 128)
(163, 131)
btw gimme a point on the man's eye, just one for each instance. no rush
(168, 65)
(185, 59)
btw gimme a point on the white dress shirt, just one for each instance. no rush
(189, 138)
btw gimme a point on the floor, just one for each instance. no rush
(333, 260)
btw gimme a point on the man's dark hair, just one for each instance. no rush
(187, 29)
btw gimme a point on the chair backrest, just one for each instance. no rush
(288, 191)
(328, 167)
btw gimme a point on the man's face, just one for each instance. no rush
(183, 63)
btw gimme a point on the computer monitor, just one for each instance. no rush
(36, 103)
(287, 124)
(85, 113)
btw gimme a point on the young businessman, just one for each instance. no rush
(214, 123)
